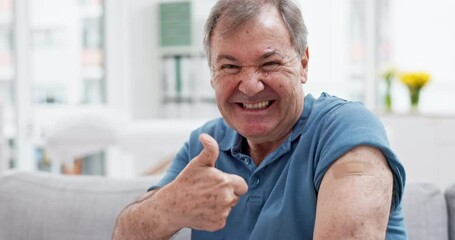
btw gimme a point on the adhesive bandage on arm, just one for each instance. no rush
(351, 168)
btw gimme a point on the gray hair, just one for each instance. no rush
(235, 13)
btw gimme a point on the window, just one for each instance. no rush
(6, 52)
(58, 37)
(7, 75)
(61, 66)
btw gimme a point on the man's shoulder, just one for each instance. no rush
(330, 115)
(327, 102)
(330, 107)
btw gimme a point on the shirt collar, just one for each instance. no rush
(230, 138)
(298, 128)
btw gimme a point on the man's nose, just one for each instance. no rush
(250, 82)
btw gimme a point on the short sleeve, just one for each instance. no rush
(350, 125)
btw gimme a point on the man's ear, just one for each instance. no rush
(304, 64)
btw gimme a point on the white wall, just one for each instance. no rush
(425, 145)
(132, 57)
(423, 39)
(326, 21)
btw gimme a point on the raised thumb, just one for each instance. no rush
(210, 152)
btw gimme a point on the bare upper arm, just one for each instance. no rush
(355, 197)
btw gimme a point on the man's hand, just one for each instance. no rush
(201, 197)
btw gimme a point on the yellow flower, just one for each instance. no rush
(415, 79)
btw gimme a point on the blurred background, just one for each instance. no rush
(113, 87)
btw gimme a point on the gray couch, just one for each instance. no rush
(52, 207)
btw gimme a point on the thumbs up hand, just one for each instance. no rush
(209, 154)
(201, 197)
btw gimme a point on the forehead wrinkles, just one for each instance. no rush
(266, 21)
(231, 20)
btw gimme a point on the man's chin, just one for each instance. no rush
(254, 131)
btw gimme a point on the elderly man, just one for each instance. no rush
(278, 164)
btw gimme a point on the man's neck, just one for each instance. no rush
(259, 151)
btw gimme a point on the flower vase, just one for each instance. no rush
(388, 102)
(388, 97)
(414, 94)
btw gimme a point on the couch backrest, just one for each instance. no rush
(425, 212)
(42, 206)
(49, 207)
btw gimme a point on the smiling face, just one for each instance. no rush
(257, 76)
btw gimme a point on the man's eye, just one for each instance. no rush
(270, 66)
(229, 68)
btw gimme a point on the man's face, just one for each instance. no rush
(257, 77)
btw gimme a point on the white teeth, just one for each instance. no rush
(256, 106)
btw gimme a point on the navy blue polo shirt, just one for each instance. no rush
(283, 189)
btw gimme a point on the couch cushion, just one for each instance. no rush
(46, 206)
(425, 212)
(450, 199)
